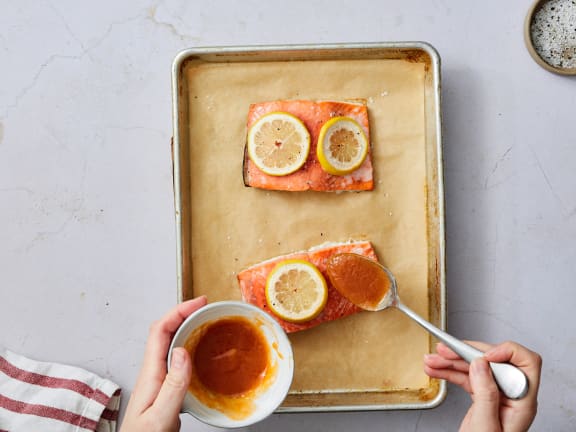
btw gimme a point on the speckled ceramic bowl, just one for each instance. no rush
(531, 34)
(265, 402)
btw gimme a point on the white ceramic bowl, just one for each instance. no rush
(280, 350)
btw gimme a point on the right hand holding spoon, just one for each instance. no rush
(490, 410)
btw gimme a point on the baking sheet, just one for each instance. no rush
(369, 360)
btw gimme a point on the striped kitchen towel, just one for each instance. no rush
(51, 397)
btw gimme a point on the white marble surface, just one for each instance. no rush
(87, 242)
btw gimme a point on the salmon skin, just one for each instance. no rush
(311, 176)
(253, 282)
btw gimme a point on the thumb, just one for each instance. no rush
(485, 394)
(169, 400)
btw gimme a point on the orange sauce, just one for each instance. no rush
(231, 365)
(358, 278)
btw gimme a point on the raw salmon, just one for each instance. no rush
(253, 282)
(311, 176)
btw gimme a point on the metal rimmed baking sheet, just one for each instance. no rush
(364, 362)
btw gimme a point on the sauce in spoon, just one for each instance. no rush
(359, 279)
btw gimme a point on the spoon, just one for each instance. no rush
(372, 287)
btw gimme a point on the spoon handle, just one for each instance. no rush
(509, 378)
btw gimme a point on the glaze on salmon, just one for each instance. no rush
(311, 176)
(253, 282)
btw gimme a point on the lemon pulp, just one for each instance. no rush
(278, 143)
(296, 291)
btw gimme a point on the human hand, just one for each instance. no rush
(157, 396)
(490, 409)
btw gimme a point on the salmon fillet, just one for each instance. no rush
(253, 282)
(311, 176)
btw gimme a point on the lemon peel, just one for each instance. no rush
(342, 146)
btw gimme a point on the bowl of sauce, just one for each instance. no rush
(242, 364)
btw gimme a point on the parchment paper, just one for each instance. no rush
(233, 227)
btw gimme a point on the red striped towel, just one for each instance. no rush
(50, 397)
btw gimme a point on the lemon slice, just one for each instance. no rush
(278, 143)
(342, 146)
(296, 291)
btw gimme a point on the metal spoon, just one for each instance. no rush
(509, 378)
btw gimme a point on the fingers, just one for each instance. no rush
(161, 333)
(452, 376)
(449, 366)
(528, 361)
(446, 352)
(437, 361)
(167, 405)
(153, 369)
(516, 354)
(486, 396)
